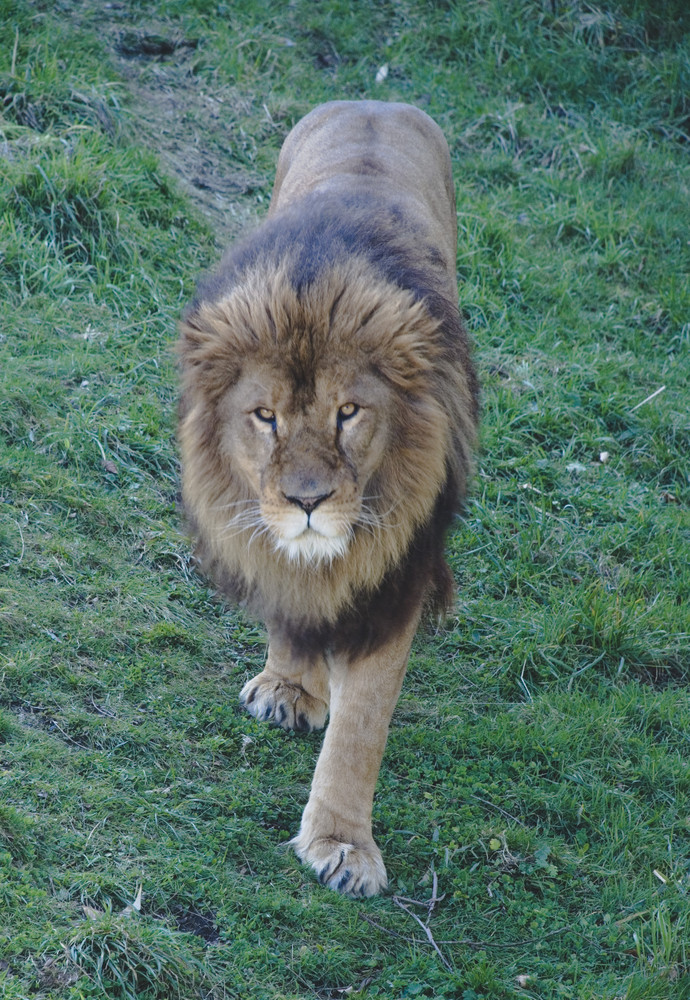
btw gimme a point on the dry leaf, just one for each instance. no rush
(134, 907)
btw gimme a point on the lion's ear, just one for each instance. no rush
(202, 331)
(408, 361)
(209, 351)
(403, 343)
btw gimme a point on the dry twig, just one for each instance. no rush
(405, 904)
(461, 942)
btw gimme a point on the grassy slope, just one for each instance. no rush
(537, 765)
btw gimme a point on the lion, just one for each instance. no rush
(327, 419)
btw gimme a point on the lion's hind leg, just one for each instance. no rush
(291, 694)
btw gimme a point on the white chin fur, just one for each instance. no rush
(311, 547)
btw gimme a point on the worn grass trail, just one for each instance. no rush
(534, 804)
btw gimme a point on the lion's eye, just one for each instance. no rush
(346, 412)
(265, 415)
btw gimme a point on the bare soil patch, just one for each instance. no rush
(174, 112)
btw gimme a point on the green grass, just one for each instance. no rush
(537, 770)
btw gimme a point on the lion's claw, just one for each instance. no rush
(353, 871)
(268, 697)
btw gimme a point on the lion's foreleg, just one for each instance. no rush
(335, 836)
(289, 691)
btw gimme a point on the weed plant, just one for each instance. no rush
(534, 804)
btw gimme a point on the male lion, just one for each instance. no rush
(328, 412)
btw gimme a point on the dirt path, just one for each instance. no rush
(175, 113)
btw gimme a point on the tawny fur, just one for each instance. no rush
(344, 298)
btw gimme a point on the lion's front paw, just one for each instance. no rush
(354, 871)
(269, 697)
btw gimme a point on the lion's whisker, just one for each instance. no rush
(242, 522)
(368, 528)
(244, 525)
(376, 521)
(261, 529)
(235, 503)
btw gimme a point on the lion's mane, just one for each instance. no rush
(340, 282)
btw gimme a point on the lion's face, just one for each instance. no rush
(307, 458)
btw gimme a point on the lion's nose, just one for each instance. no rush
(308, 504)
